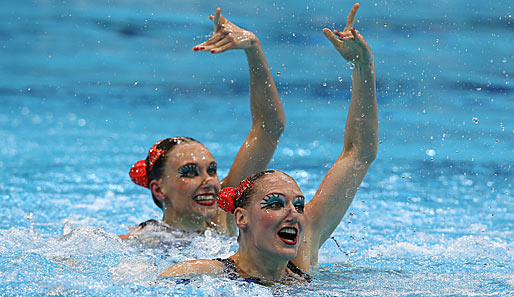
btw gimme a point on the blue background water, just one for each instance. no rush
(88, 86)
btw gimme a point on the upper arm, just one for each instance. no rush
(334, 196)
(253, 156)
(194, 267)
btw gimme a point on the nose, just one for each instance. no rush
(292, 213)
(209, 180)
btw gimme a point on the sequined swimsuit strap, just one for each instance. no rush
(230, 268)
(298, 271)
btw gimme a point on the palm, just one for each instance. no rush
(349, 42)
(226, 36)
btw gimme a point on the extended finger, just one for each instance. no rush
(208, 42)
(216, 19)
(221, 48)
(351, 17)
(331, 37)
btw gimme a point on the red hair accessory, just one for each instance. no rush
(228, 196)
(139, 171)
(226, 199)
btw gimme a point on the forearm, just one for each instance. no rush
(361, 131)
(266, 108)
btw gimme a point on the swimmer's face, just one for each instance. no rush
(190, 182)
(275, 219)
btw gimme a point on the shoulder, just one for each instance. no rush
(193, 267)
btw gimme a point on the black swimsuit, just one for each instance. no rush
(231, 271)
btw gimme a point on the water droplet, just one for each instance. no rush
(278, 73)
(430, 152)
(385, 25)
(340, 79)
(324, 84)
(475, 120)
(136, 83)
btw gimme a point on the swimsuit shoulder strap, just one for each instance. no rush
(230, 268)
(298, 271)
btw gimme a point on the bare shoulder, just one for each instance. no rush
(213, 267)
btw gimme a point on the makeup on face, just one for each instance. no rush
(276, 201)
(191, 170)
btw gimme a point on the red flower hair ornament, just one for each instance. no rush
(139, 171)
(228, 196)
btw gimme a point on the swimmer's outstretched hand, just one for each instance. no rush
(350, 43)
(226, 36)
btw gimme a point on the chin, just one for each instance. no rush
(206, 212)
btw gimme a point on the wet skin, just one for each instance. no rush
(275, 219)
(190, 182)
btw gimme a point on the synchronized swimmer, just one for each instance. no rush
(181, 173)
(280, 234)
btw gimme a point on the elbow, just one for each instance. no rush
(362, 154)
(275, 127)
(369, 154)
(280, 123)
(368, 158)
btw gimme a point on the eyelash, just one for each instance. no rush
(299, 202)
(186, 169)
(265, 203)
(212, 167)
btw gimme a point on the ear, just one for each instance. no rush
(241, 218)
(155, 187)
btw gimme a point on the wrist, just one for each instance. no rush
(365, 66)
(254, 46)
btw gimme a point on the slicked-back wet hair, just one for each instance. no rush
(245, 199)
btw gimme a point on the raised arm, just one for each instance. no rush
(268, 117)
(338, 188)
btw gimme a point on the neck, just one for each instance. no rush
(260, 265)
(189, 223)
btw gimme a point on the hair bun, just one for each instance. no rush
(226, 199)
(138, 173)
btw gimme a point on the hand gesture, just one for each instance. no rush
(350, 43)
(226, 36)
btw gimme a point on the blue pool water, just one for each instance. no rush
(88, 86)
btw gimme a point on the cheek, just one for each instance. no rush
(270, 217)
(183, 186)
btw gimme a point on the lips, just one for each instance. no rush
(289, 235)
(207, 199)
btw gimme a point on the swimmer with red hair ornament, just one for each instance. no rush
(181, 173)
(280, 234)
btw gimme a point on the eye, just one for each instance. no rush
(212, 169)
(189, 170)
(273, 201)
(299, 204)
